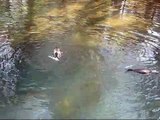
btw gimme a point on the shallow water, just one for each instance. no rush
(98, 39)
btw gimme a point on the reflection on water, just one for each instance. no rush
(99, 38)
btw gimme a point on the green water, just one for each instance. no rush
(98, 39)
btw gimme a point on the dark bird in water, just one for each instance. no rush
(143, 71)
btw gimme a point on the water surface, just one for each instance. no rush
(98, 39)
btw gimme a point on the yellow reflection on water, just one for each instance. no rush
(42, 24)
(65, 107)
(124, 21)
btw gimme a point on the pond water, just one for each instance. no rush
(99, 38)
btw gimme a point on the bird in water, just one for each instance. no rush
(57, 53)
(143, 71)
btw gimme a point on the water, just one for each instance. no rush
(98, 39)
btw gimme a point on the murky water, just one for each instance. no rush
(99, 38)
